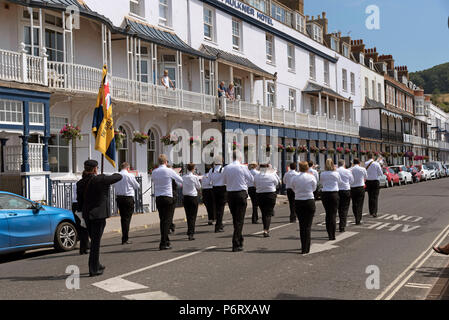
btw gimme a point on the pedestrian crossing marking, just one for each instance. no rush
(118, 285)
(155, 295)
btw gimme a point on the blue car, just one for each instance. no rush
(26, 225)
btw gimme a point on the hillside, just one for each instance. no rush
(435, 81)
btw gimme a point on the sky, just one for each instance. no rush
(415, 32)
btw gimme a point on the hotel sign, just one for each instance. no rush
(248, 10)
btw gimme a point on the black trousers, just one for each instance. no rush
(330, 202)
(305, 210)
(166, 208)
(254, 201)
(291, 202)
(358, 197)
(343, 207)
(220, 198)
(191, 209)
(126, 208)
(95, 229)
(266, 201)
(237, 201)
(372, 186)
(83, 234)
(208, 199)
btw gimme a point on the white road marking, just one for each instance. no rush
(118, 285)
(418, 285)
(319, 247)
(155, 295)
(438, 239)
(281, 226)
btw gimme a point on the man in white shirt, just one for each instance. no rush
(162, 178)
(124, 195)
(166, 81)
(208, 197)
(236, 178)
(252, 192)
(344, 191)
(288, 179)
(190, 186)
(358, 190)
(374, 172)
(316, 175)
(219, 190)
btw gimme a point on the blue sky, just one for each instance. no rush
(415, 32)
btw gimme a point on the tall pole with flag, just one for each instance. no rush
(103, 124)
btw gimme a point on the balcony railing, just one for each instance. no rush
(246, 110)
(13, 157)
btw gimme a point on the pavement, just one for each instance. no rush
(386, 258)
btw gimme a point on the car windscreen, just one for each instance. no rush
(395, 169)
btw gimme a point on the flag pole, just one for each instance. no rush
(102, 163)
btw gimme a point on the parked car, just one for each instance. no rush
(446, 168)
(392, 177)
(404, 176)
(383, 182)
(416, 174)
(432, 170)
(435, 165)
(26, 225)
(426, 174)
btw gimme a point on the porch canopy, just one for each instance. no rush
(161, 37)
(313, 88)
(236, 61)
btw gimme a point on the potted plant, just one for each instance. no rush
(303, 149)
(314, 149)
(363, 152)
(340, 150)
(280, 147)
(354, 151)
(426, 158)
(169, 139)
(70, 132)
(401, 154)
(395, 155)
(347, 151)
(331, 151)
(119, 136)
(140, 137)
(323, 150)
(235, 145)
(409, 154)
(290, 149)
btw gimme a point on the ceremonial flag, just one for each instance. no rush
(103, 124)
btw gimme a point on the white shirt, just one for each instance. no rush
(162, 178)
(190, 185)
(330, 181)
(360, 175)
(126, 186)
(315, 174)
(166, 81)
(216, 175)
(374, 171)
(346, 179)
(304, 184)
(254, 172)
(237, 177)
(206, 182)
(288, 178)
(266, 182)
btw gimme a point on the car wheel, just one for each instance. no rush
(391, 183)
(65, 237)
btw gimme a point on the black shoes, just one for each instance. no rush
(342, 230)
(210, 222)
(255, 222)
(266, 234)
(172, 228)
(191, 238)
(165, 247)
(331, 238)
(237, 249)
(127, 242)
(292, 220)
(219, 230)
(98, 273)
(374, 215)
(85, 251)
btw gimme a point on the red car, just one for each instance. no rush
(392, 177)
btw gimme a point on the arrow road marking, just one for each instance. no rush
(329, 245)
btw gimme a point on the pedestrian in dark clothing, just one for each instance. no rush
(81, 226)
(93, 198)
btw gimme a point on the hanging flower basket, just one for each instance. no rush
(426, 158)
(169, 139)
(140, 137)
(314, 149)
(290, 149)
(418, 158)
(302, 149)
(354, 151)
(363, 152)
(386, 154)
(340, 150)
(395, 155)
(331, 151)
(409, 154)
(235, 145)
(211, 139)
(70, 132)
(119, 136)
(323, 150)
(376, 153)
(347, 151)
(280, 148)
(401, 154)
(268, 148)
(195, 140)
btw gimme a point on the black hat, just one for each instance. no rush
(90, 164)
